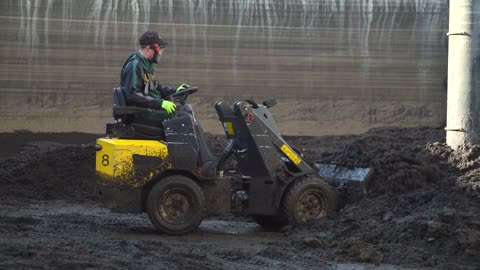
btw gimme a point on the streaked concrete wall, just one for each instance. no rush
(335, 66)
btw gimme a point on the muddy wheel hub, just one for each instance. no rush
(311, 206)
(175, 207)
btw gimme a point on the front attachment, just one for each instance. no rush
(342, 173)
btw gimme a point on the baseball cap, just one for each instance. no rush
(152, 37)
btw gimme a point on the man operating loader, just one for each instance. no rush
(140, 84)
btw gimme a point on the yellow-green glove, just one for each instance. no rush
(168, 106)
(183, 87)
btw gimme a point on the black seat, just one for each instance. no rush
(119, 98)
(120, 107)
(124, 125)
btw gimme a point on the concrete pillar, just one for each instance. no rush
(463, 96)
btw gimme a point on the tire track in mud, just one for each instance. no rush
(59, 234)
(89, 236)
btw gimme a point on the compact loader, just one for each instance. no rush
(170, 172)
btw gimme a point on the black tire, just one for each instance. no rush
(271, 222)
(308, 200)
(176, 205)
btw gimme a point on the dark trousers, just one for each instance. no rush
(154, 118)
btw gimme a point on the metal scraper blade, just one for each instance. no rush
(341, 173)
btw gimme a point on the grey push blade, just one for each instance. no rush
(341, 173)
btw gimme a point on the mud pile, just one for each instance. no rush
(419, 205)
(467, 162)
(397, 157)
(49, 171)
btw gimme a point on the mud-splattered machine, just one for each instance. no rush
(171, 174)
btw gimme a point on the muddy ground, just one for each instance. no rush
(418, 209)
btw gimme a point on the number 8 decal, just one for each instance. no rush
(105, 161)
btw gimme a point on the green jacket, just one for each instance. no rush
(140, 84)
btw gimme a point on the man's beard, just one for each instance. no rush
(156, 58)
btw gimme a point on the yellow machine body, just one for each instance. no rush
(124, 167)
(127, 169)
(114, 159)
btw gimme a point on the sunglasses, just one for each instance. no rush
(157, 48)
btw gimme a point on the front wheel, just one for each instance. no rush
(308, 200)
(176, 205)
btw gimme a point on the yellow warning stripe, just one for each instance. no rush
(229, 128)
(290, 154)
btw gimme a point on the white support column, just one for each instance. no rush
(463, 89)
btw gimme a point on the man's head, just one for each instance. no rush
(152, 45)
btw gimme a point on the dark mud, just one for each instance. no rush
(418, 209)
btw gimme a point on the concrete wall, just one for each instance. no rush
(335, 66)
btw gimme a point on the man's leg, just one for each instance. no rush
(153, 118)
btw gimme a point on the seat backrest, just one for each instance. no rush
(119, 97)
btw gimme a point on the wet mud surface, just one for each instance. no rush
(417, 209)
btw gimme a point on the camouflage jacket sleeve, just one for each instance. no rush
(165, 90)
(133, 84)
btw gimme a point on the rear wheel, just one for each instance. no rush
(176, 205)
(308, 200)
